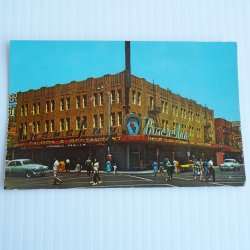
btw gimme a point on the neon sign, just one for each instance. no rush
(149, 129)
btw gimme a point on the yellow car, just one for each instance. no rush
(187, 167)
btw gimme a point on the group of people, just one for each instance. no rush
(203, 169)
(92, 168)
(167, 165)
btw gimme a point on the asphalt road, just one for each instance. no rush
(127, 180)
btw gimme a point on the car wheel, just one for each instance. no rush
(28, 174)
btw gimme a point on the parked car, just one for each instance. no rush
(25, 167)
(229, 164)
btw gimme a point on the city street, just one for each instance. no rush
(126, 179)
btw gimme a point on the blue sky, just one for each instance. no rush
(204, 72)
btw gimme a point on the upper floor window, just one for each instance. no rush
(47, 107)
(151, 102)
(38, 108)
(52, 106)
(34, 109)
(133, 97)
(119, 96)
(61, 124)
(52, 126)
(101, 121)
(46, 127)
(78, 102)
(119, 119)
(84, 101)
(84, 122)
(101, 99)
(95, 99)
(38, 126)
(78, 123)
(26, 110)
(68, 103)
(112, 97)
(139, 98)
(95, 122)
(112, 119)
(162, 106)
(67, 123)
(61, 104)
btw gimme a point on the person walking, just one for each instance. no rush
(201, 170)
(96, 177)
(211, 169)
(115, 168)
(161, 168)
(168, 166)
(55, 170)
(78, 167)
(108, 167)
(88, 164)
(67, 165)
(205, 167)
(196, 169)
(155, 167)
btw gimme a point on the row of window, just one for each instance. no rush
(81, 123)
(80, 102)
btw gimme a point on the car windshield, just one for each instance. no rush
(229, 161)
(28, 162)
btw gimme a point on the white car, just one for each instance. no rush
(229, 164)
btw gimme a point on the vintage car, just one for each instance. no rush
(186, 167)
(229, 164)
(25, 167)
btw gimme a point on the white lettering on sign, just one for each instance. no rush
(149, 129)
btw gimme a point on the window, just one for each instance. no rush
(95, 99)
(52, 126)
(101, 121)
(84, 121)
(181, 112)
(61, 124)
(139, 98)
(192, 116)
(68, 103)
(38, 127)
(166, 107)
(151, 102)
(101, 99)
(46, 128)
(84, 101)
(173, 109)
(26, 110)
(33, 127)
(174, 126)
(163, 124)
(112, 119)
(25, 128)
(119, 118)
(176, 111)
(112, 96)
(52, 105)
(162, 106)
(133, 97)
(78, 123)
(34, 109)
(67, 123)
(22, 110)
(38, 108)
(95, 125)
(61, 104)
(185, 114)
(47, 107)
(119, 96)
(78, 102)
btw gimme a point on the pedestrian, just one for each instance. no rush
(205, 167)
(55, 170)
(175, 166)
(211, 169)
(201, 170)
(196, 168)
(161, 168)
(115, 168)
(155, 167)
(108, 167)
(96, 177)
(78, 167)
(88, 164)
(67, 165)
(168, 166)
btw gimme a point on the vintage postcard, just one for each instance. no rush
(91, 114)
